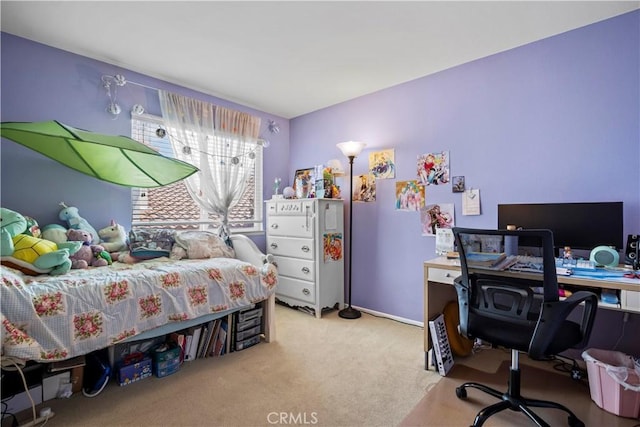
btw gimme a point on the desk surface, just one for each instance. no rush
(621, 283)
(438, 289)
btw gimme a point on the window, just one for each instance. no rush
(171, 206)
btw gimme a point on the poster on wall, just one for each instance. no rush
(433, 168)
(436, 216)
(332, 246)
(364, 188)
(409, 196)
(382, 164)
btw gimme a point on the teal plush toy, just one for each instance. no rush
(29, 254)
(54, 232)
(70, 215)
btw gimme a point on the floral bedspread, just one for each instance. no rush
(48, 318)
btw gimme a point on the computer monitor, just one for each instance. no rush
(578, 225)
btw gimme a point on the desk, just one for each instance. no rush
(439, 274)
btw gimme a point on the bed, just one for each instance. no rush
(53, 318)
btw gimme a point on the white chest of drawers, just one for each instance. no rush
(306, 239)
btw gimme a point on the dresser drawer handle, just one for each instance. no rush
(274, 226)
(305, 270)
(305, 248)
(306, 291)
(447, 275)
(274, 246)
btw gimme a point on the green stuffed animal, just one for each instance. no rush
(29, 254)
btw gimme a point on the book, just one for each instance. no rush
(221, 342)
(206, 339)
(441, 348)
(203, 339)
(214, 338)
(64, 365)
(193, 339)
(188, 339)
(180, 339)
(487, 259)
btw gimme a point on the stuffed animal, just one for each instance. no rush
(54, 232)
(33, 229)
(70, 215)
(88, 254)
(29, 254)
(114, 237)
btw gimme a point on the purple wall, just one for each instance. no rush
(42, 83)
(553, 121)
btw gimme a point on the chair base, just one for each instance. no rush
(513, 401)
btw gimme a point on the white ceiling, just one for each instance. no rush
(294, 57)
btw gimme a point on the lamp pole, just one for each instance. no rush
(350, 312)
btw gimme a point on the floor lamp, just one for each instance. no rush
(350, 149)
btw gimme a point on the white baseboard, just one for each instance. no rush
(390, 316)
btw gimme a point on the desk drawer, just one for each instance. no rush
(630, 300)
(442, 275)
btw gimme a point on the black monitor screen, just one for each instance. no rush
(578, 225)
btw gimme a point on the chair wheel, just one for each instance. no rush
(573, 421)
(461, 392)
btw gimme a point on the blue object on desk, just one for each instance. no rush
(597, 274)
(573, 264)
(609, 296)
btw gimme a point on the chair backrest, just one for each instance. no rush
(506, 277)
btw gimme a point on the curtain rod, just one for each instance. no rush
(120, 80)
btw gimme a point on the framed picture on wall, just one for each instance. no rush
(457, 184)
(304, 183)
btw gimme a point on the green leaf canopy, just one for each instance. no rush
(116, 159)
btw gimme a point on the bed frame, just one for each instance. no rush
(50, 299)
(246, 250)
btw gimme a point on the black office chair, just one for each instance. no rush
(499, 305)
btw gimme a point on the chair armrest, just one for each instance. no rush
(553, 314)
(588, 315)
(463, 303)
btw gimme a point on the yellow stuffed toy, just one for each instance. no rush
(29, 254)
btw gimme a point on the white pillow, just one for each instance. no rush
(204, 244)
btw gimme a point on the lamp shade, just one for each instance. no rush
(336, 167)
(351, 148)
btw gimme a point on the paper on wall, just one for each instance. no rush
(444, 241)
(471, 202)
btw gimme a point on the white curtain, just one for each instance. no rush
(221, 142)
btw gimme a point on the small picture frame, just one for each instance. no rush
(457, 184)
(304, 183)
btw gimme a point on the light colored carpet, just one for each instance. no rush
(441, 408)
(325, 372)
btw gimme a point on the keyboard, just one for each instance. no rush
(527, 263)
